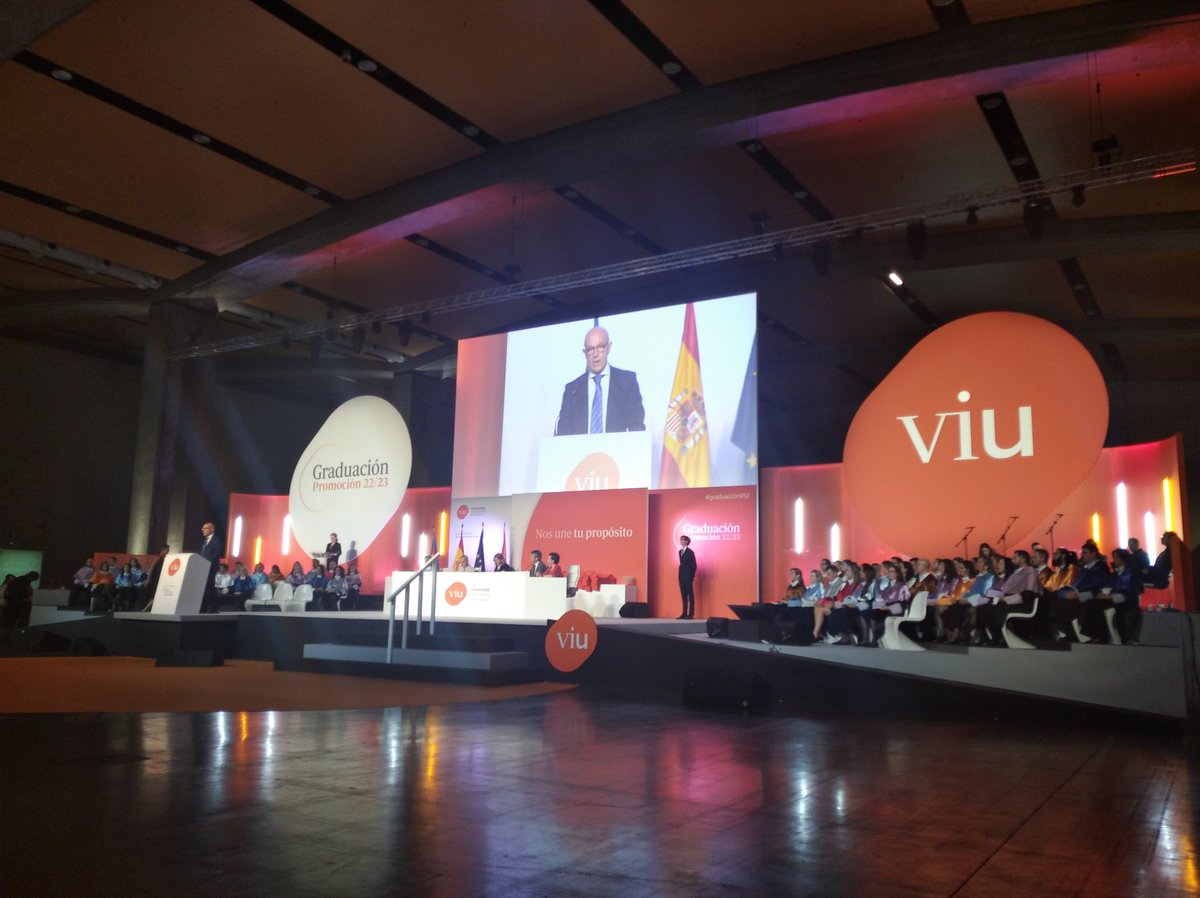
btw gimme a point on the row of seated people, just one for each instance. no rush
(340, 592)
(110, 587)
(968, 602)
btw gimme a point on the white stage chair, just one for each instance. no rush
(300, 598)
(1011, 639)
(262, 596)
(892, 637)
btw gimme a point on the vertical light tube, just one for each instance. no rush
(257, 550)
(1168, 509)
(443, 534)
(835, 542)
(405, 534)
(285, 539)
(1151, 535)
(1096, 528)
(798, 526)
(236, 547)
(1122, 516)
(423, 547)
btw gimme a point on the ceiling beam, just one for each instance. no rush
(667, 129)
(1084, 237)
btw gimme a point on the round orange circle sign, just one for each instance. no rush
(571, 640)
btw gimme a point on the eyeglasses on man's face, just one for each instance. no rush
(597, 349)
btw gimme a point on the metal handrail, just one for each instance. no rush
(431, 564)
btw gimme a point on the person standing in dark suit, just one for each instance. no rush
(210, 550)
(687, 578)
(603, 399)
(333, 552)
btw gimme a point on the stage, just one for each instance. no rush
(1154, 680)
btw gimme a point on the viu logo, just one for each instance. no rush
(966, 449)
(573, 640)
(591, 481)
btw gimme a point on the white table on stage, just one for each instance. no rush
(504, 596)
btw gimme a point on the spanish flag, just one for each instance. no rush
(459, 554)
(685, 436)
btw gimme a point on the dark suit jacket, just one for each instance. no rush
(687, 564)
(625, 411)
(211, 550)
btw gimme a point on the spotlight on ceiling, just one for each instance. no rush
(972, 216)
(1077, 197)
(404, 330)
(1034, 219)
(822, 252)
(895, 279)
(916, 235)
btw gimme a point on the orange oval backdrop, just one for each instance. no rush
(991, 416)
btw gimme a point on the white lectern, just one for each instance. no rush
(181, 584)
(597, 461)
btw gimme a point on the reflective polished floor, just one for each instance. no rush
(570, 794)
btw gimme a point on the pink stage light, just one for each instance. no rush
(798, 526)
(1122, 515)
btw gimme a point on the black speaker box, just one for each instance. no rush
(721, 688)
(635, 609)
(751, 630)
(718, 627)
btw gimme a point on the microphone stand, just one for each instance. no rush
(963, 542)
(1050, 533)
(1003, 538)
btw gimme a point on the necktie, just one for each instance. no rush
(596, 425)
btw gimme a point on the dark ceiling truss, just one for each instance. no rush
(1038, 209)
(646, 42)
(500, 277)
(104, 221)
(657, 52)
(744, 248)
(676, 126)
(376, 71)
(573, 195)
(167, 123)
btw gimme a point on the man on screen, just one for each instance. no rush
(603, 399)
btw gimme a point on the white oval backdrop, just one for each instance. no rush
(351, 477)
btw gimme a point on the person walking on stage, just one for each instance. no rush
(687, 577)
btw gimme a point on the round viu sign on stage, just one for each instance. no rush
(456, 593)
(173, 568)
(571, 640)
